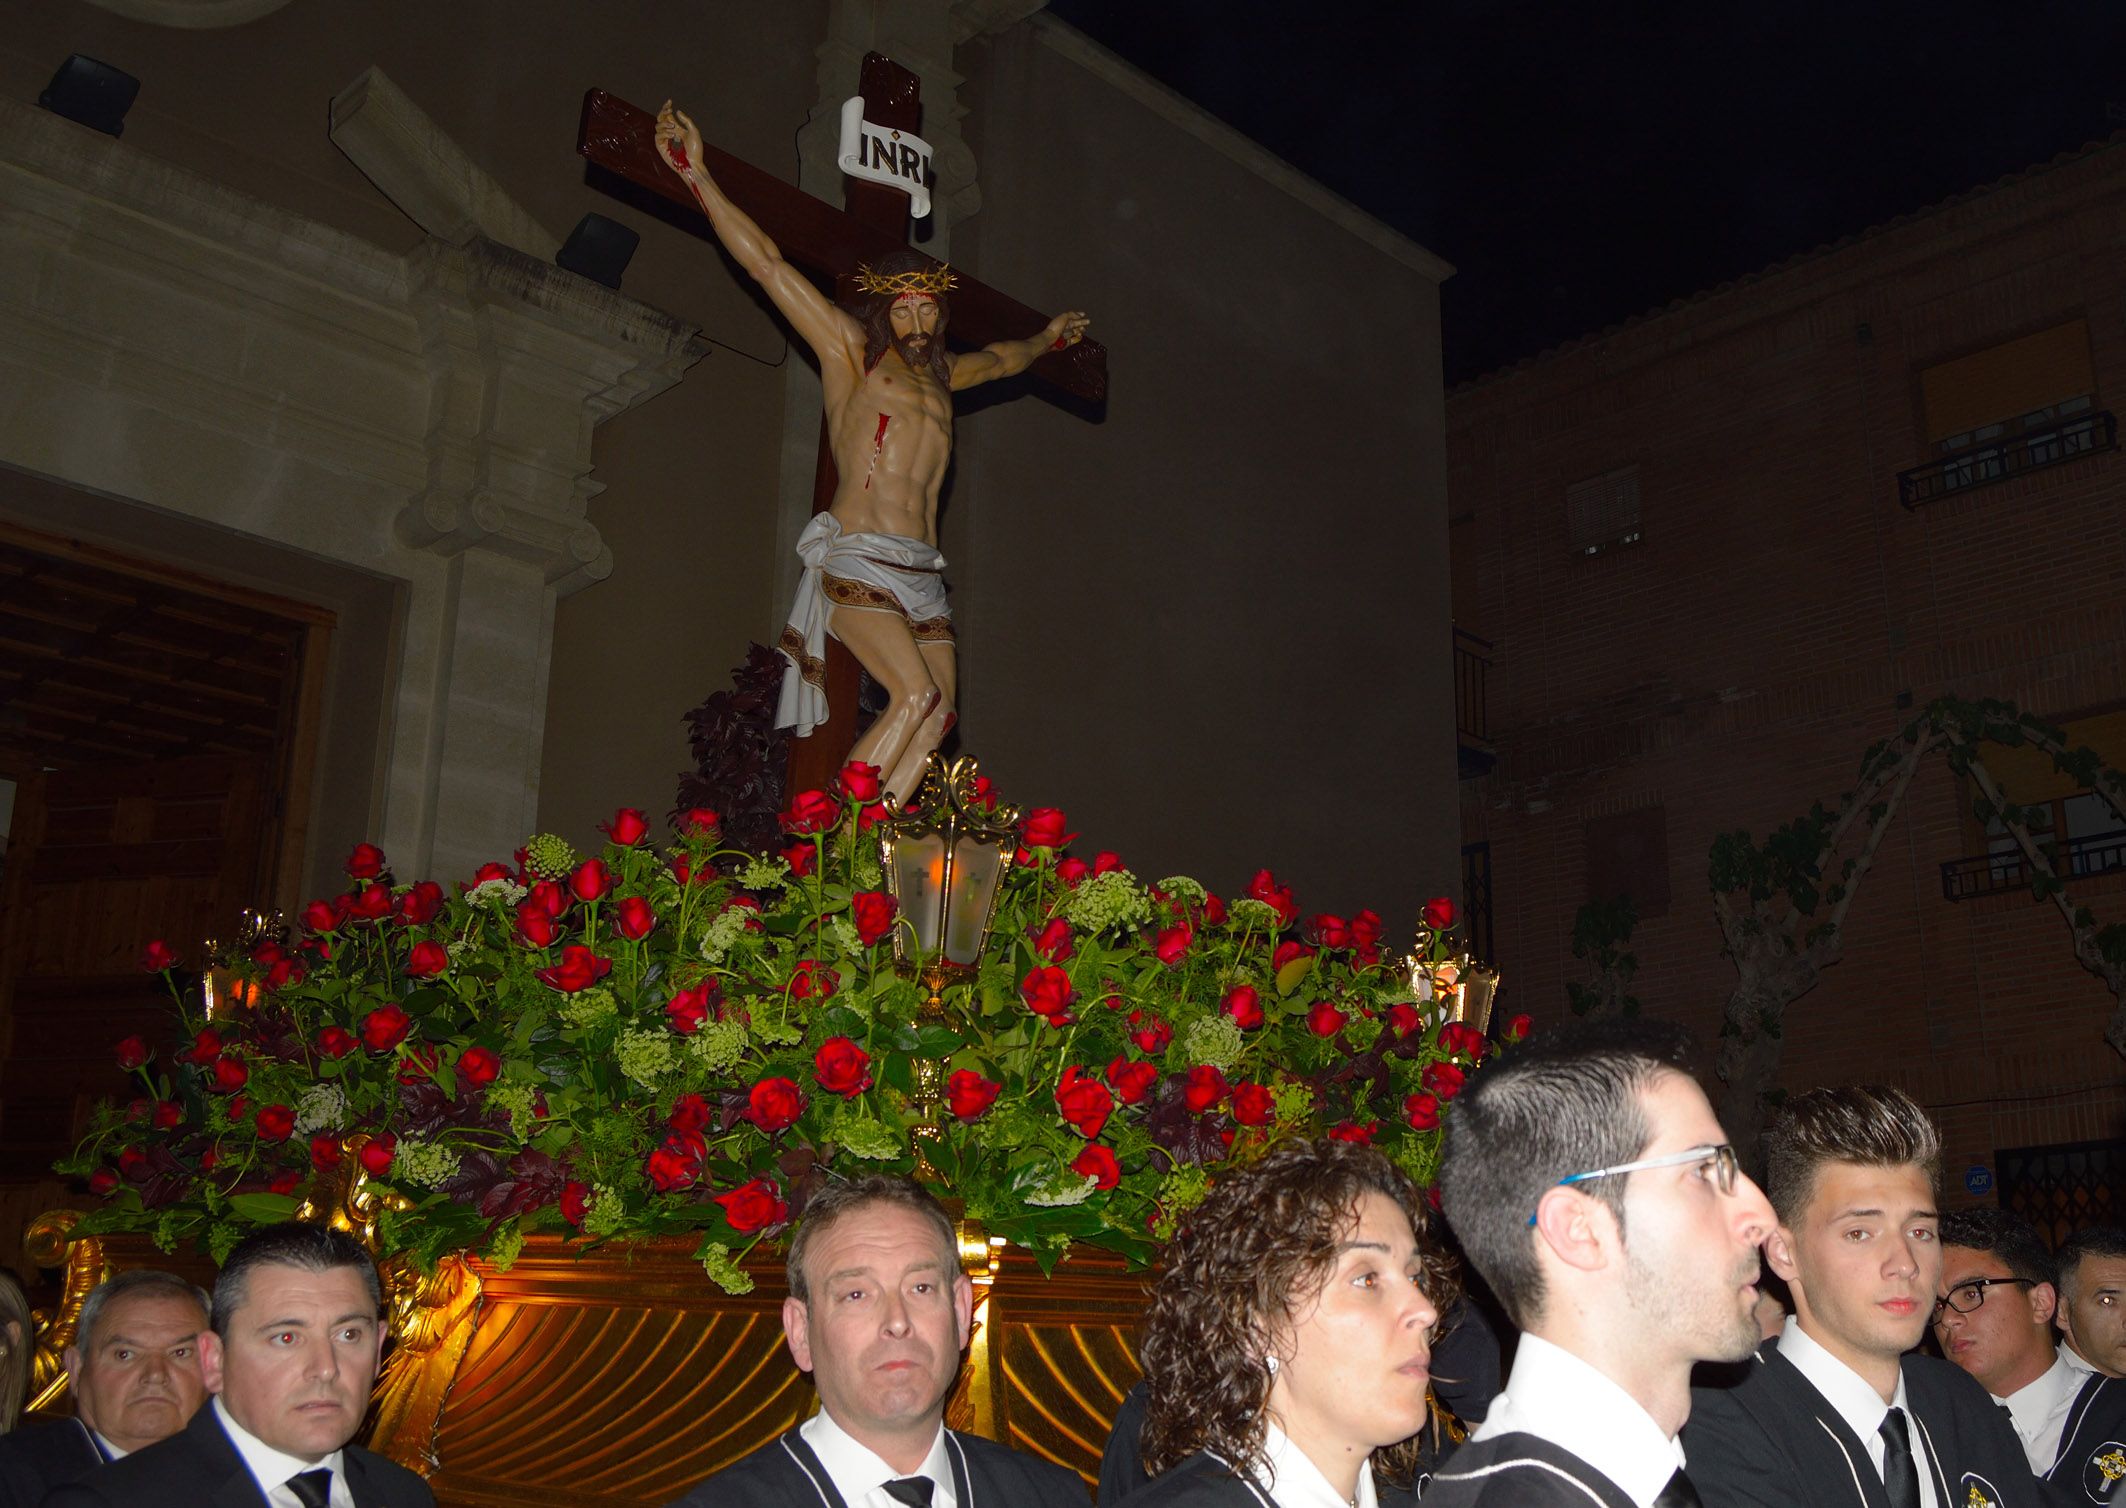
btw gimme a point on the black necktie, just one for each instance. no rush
(1900, 1480)
(1679, 1493)
(914, 1491)
(313, 1489)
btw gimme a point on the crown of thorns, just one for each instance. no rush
(931, 280)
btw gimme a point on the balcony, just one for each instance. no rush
(1999, 460)
(1474, 755)
(2001, 873)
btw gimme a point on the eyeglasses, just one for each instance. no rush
(1965, 1297)
(1721, 1157)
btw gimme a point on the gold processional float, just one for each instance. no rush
(622, 1377)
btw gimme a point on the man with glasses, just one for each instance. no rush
(1994, 1319)
(1590, 1184)
(1834, 1411)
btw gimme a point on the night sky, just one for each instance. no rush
(1583, 163)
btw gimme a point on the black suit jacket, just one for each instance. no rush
(39, 1455)
(2091, 1464)
(199, 1465)
(785, 1473)
(1520, 1470)
(1773, 1441)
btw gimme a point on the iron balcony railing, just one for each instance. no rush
(1998, 460)
(1999, 873)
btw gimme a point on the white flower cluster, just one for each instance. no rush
(1056, 1195)
(719, 1044)
(1214, 1040)
(644, 1056)
(765, 874)
(321, 1107)
(425, 1163)
(501, 894)
(1249, 915)
(590, 1007)
(1105, 901)
(728, 926)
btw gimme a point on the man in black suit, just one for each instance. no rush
(2092, 1312)
(1590, 1184)
(878, 1313)
(1834, 1412)
(296, 1338)
(133, 1370)
(1999, 1293)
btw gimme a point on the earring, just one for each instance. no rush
(1271, 1363)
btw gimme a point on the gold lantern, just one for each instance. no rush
(945, 855)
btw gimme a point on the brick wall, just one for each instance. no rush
(1732, 667)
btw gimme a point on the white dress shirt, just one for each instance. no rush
(272, 1468)
(1292, 1480)
(860, 1475)
(2083, 1368)
(2039, 1408)
(1556, 1396)
(1857, 1402)
(102, 1443)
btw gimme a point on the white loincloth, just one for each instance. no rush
(884, 572)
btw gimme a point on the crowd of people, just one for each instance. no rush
(1311, 1340)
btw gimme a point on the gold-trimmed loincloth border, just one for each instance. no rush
(843, 592)
(812, 669)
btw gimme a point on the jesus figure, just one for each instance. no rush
(873, 575)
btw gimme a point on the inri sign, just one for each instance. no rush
(878, 154)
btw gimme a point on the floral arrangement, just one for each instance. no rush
(648, 1042)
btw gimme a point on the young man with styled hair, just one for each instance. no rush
(878, 1313)
(1590, 1184)
(2092, 1311)
(1998, 1295)
(1834, 1411)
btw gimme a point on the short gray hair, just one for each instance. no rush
(152, 1281)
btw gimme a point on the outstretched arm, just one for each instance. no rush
(827, 330)
(1005, 358)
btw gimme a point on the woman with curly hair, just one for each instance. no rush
(1287, 1350)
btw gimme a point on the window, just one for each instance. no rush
(2076, 828)
(1602, 512)
(2013, 408)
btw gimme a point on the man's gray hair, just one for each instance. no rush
(140, 1280)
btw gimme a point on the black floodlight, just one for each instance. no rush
(91, 94)
(598, 249)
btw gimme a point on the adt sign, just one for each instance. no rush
(1978, 1179)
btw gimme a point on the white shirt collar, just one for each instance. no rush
(2076, 1360)
(858, 1471)
(1856, 1401)
(2039, 1408)
(1557, 1396)
(103, 1442)
(272, 1467)
(1294, 1481)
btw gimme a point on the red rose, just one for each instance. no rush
(321, 916)
(633, 919)
(427, 960)
(133, 1163)
(240, 1107)
(873, 912)
(1286, 952)
(1252, 1105)
(478, 1067)
(287, 1181)
(206, 1047)
(1366, 929)
(690, 1112)
(366, 862)
(1043, 828)
(1264, 888)
(1461, 1040)
(578, 969)
(1150, 1033)
(421, 905)
(985, 793)
(1422, 1111)
(868, 817)
(1213, 911)
(168, 1115)
(1173, 944)
(575, 1201)
(285, 971)
(627, 827)
(773, 1104)
(753, 1206)
(1439, 913)
(1133, 1079)
(1106, 861)
(1443, 1079)
(813, 980)
(859, 781)
(1353, 1131)
(157, 956)
(420, 1061)
(1071, 871)
(103, 1181)
(1099, 1164)
(688, 1009)
(1244, 1006)
(811, 812)
(1084, 1102)
(276, 1123)
(1519, 1027)
(1053, 942)
(802, 857)
(1204, 1088)
(1325, 1020)
(842, 1067)
(372, 903)
(590, 881)
(132, 1053)
(678, 1163)
(1047, 993)
(491, 871)
(325, 1151)
(377, 1153)
(336, 1042)
(550, 897)
(385, 1028)
(1326, 931)
(535, 926)
(699, 822)
(229, 1074)
(968, 1094)
(1404, 1018)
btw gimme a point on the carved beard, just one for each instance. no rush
(914, 349)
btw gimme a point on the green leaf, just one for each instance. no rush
(1293, 974)
(265, 1209)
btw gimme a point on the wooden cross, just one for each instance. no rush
(828, 244)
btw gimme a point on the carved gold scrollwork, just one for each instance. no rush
(48, 1244)
(433, 1317)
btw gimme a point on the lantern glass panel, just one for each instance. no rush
(919, 884)
(976, 868)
